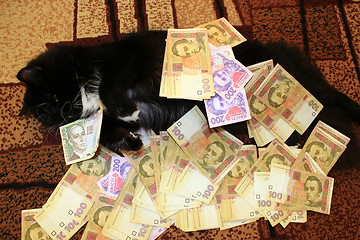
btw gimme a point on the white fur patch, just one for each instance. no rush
(90, 102)
(133, 117)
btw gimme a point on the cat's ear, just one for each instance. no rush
(30, 75)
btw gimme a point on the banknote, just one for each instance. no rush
(229, 199)
(164, 83)
(118, 225)
(305, 162)
(204, 147)
(103, 183)
(189, 73)
(220, 112)
(97, 217)
(65, 214)
(275, 152)
(258, 67)
(200, 218)
(80, 139)
(193, 184)
(229, 77)
(217, 54)
(145, 216)
(142, 198)
(303, 190)
(333, 132)
(282, 93)
(157, 231)
(143, 163)
(323, 148)
(298, 216)
(221, 33)
(67, 208)
(30, 229)
(259, 132)
(117, 174)
(262, 114)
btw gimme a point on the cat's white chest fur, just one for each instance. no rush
(90, 102)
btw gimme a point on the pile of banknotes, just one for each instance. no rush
(193, 176)
(196, 175)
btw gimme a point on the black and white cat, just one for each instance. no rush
(67, 83)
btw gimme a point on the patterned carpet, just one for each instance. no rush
(32, 161)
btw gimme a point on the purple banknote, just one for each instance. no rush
(220, 112)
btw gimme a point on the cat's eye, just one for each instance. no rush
(55, 98)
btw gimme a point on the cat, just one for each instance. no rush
(66, 83)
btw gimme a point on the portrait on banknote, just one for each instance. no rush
(313, 190)
(146, 167)
(185, 48)
(101, 215)
(275, 158)
(94, 167)
(221, 33)
(256, 105)
(35, 232)
(279, 92)
(223, 78)
(77, 139)
(218, 34)
(241, 168)
(214, 154)
(320, 152)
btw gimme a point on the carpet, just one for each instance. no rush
(31, 156)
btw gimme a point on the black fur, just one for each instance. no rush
(130, 71)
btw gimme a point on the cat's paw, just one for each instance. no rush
(130, 142)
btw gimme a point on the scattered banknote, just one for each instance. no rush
(118, 225)
(98, 215)
(30, 229)
(221, 33)
(303, 190)
(213, 155)
(262, 114)
(188, 73)
(229, 77)
(283, 94)
(220, 112)
(325, 149)
(80, 139)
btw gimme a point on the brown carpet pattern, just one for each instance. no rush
(31, 156)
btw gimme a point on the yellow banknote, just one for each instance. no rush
(205, 147)
(97, 217)
(221, 33)
(118, 225)
(30, 229)
(189, 73)
(283, 94)
(323, 148)
(304, 190)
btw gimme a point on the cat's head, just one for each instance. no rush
(52, 88)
